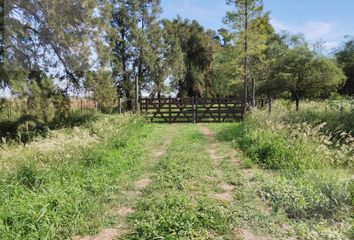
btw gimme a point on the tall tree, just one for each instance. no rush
(244, 22)
(136, 38)
(44, 40)
(345, 57)
(198, 47)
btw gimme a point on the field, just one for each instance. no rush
(282, 176)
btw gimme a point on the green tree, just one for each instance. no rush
(44, 100)
(345, 57)
(136, 39)
(246, 23)
(299, 71)
(198, 47)
(102, 89)
(54, 36)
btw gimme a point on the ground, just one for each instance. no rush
(193, 186)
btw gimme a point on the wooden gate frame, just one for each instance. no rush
(192, 110)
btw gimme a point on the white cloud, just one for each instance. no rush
(314, 31)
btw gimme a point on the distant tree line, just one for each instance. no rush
(50, 49)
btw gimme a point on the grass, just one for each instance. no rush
(335, 115)
(178, 204)
(284, 179)
(55, 197)
(304, 175)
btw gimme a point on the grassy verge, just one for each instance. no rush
(61, 191)
(305, 178)
(334, 116)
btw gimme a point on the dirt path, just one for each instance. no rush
(190, 188)
(226, 189)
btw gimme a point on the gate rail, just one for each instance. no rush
(192, 110)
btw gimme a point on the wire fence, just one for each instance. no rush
(11, 109)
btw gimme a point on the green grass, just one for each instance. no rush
(303, 176)
(178, 204)
(337, 115)
(55, 200)
(290, 181)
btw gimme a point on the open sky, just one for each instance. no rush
(326, 20)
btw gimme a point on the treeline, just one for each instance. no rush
(51, 49)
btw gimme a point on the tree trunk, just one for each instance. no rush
(297, 104)
(253, 92)
(129, 100)
(246, 54)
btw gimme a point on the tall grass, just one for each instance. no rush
(315, 168)
(336, 116)
(51, 188)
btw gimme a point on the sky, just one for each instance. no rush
(327, 20)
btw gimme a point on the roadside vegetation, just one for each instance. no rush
(56, 187)
(305, 172)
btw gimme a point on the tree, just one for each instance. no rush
(53, 36)
(245, 22)
(44, 100)
(198, 47)
(136, 40)
(123, 21)
(300, 71)
(102, 88)
(345, 57)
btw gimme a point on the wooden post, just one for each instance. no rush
(81, 106)
(9, 112)
(169, 109)
(120, 105)
(253, 92)
(270, 109)
(137, 107)
(193, 110)
(219, 110)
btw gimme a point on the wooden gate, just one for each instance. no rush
(192, 110)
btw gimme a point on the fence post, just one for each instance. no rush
(193, 110)
(270, 109)
(137, 108)
(9, 112)
(120, 105)
(169, 109)
(219, 110)
(81, 106)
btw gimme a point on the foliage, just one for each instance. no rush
(251, 29)
(198, 47)
(300, 71)
(345, 57)
(103, 90)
